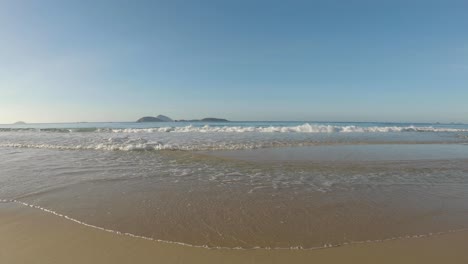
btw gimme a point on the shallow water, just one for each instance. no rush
(247, 185)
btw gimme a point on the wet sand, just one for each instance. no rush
(29, 235)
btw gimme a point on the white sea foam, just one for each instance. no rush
(101, 146)
(305, 128)
(212, 137)
(146, 146)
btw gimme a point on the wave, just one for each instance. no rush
(154, 146)
(141, 144)
(54, 130)
(304, 128)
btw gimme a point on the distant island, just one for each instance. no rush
(149, 119)
(163, 118)
(19, 123)
(159, 118)
(208, 119)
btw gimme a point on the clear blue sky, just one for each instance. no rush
(92, 60)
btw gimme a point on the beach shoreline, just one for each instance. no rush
(28, 235)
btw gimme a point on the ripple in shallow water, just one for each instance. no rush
(203, 200)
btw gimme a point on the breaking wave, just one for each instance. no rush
(153, 146)
(304, 128)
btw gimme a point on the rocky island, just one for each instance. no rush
(207, 119)
(163, 118)
(149, 119)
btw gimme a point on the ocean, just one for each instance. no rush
(243, 185)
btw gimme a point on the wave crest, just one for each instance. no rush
(305, 128)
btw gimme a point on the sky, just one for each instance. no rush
(95, 60)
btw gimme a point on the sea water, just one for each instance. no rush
(244, 184)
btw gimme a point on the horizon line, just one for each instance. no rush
(242, 121)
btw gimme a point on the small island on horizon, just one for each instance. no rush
(163, 118)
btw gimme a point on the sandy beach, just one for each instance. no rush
(233, 132)
(28, 235)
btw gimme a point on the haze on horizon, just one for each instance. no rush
(69, 61)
